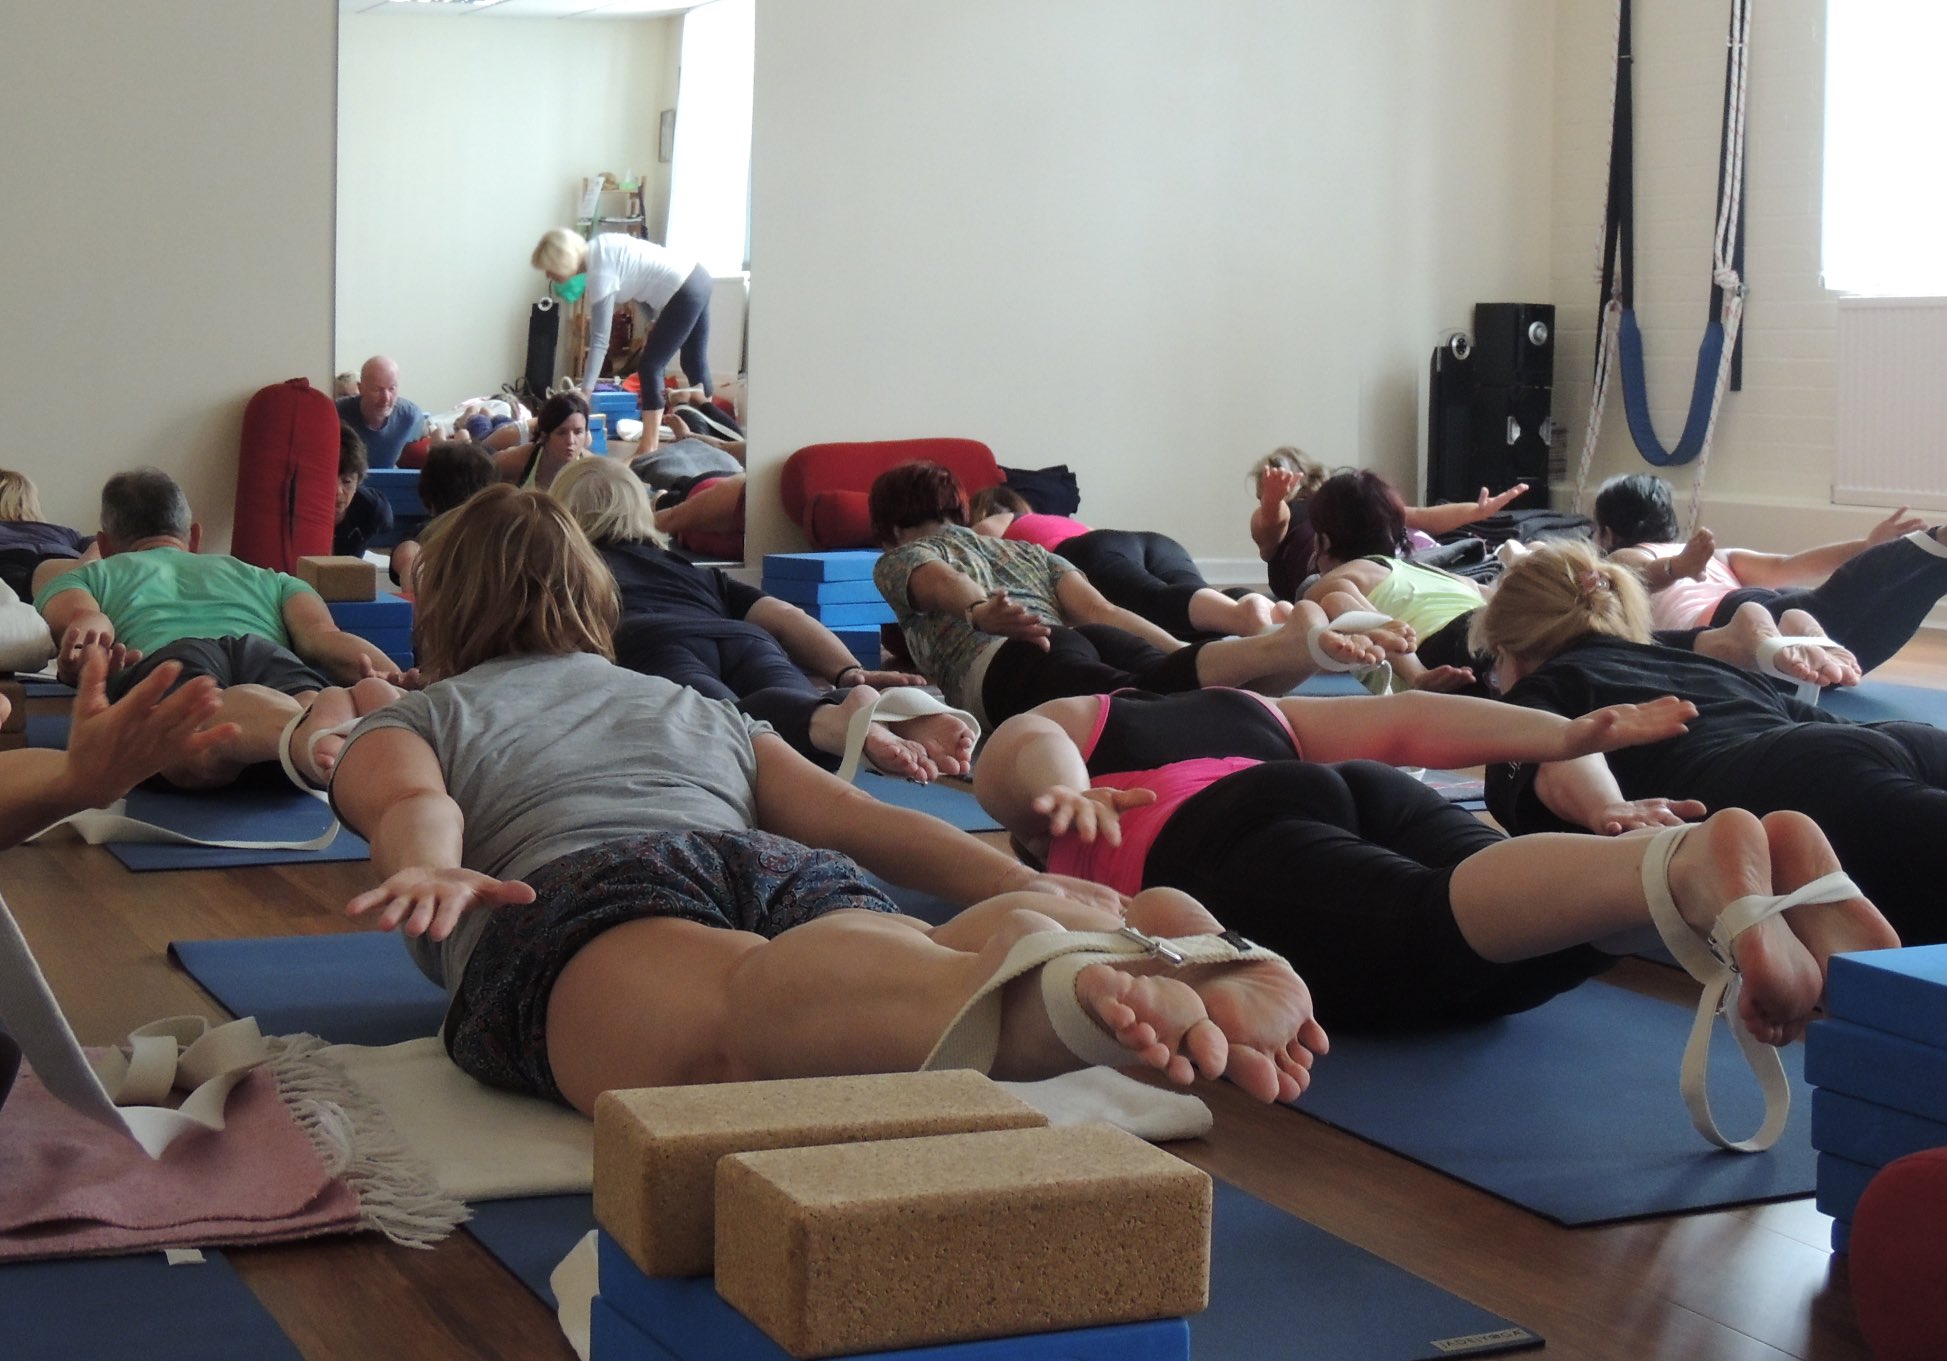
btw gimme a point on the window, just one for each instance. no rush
(709, 172)
(1884, 121)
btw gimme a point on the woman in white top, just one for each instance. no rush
(618, 268)
(1870, 594)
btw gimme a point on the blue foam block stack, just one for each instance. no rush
(400, 488)
(837, 590)
(1879, 1069)
(386, 623)
(643, 1318)
(618, 404)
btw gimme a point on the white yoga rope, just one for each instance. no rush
(1608, 319)
(1723, 272)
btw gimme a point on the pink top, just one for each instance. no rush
(1687, 604)
(1121, 867)
(1049, 531)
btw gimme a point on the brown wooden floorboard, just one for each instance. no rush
(1737, 1284)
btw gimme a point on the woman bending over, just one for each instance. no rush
(611, 875)
(1002, 626)
(1569, 633)
(1400, 908)
(701, 628)
(1145, 573)
(1870, 595)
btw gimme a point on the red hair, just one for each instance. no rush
(1360, 514)
(916, 493)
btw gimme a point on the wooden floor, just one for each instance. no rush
(1751, 1283)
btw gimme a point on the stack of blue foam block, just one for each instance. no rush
(400, 488)
(386, 623)
(837, 590)
(1880, 1069)
(668, 1318)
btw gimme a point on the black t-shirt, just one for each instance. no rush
(1738, 715)
(25, 544)
(666, 589)
(368, 515)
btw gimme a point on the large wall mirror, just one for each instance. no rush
(467, 128)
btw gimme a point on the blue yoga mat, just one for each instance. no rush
(358, 987)
(46, 689)
(254, 809)
(111, 1308)
(1874, 701)
(1570, 1110)
(1280, 1289)
(948, 800)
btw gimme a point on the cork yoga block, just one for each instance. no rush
(919, 1242)
(656, 1149)
(338, 578)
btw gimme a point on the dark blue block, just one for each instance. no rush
(863, 643)
(808, 591)
(387, 612)
(873, 612)
(1877, 1067)
(851, 564)
(400, 488)
(1903, 992)
(1841, 1235)
(613, 1338)
(694, 1323)
(1868, 1133)
(1841, 1183)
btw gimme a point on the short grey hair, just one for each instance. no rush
(608, 501)
(144, 503)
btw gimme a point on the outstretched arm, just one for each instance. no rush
(798, 800)
(316, 637)
(1443, 731)
(111, 747)
(1814, 565)
(1272, 518)
(389, 788)
(1584, 792)
(1082, 603)
(1438, 520)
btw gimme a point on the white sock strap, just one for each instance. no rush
(1352, 621)
(1765, 656)
(893, 706)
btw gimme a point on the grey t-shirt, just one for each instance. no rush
(551, 755)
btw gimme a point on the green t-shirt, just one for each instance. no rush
(158, 595)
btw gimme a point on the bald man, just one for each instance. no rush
(386, 421)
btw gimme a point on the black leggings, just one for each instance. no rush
(1871, 605)
(682, 326)
(1090, 659)
(733, 661)
(1147, 574)
(1344, 869)
(1879, 793)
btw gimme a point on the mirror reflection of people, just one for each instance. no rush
(386, 421)
(614, 268)
(358, 514)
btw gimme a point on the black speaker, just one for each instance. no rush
(1512, 431)
(1450, 423)
(1514, 343)
(543, 336)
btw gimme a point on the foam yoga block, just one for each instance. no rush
(340, 578)
(656, 1150)
(911, 1242)
(1902, 992)
(852, 564)
(1873, 1066)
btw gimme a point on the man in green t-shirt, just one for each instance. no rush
(265, 637)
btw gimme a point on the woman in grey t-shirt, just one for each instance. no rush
(612, 877)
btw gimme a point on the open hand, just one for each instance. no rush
(1007, 618)
(430, 902)
(1088, 813)
(1625, 725)
(1276, 486)
(1632, 814)
(114, 747)
(1893, 526)
(1077, 891)
(1490, 505)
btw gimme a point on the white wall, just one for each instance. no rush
(167, 221)
(1145, 239)
(461, 140)
(1769, 476)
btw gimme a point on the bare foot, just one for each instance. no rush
(314, 747)
(946, 741)
(1799, 854)
(1836, 665)
(1281, 612)
(1253, 614)
(1727, 858)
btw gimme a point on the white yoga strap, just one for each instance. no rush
(100, 825)
(1807, 692)
(182, 1051)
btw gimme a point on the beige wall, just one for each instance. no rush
(1770, 468)
(167, 221)
(1145, 239)
(460, 142)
